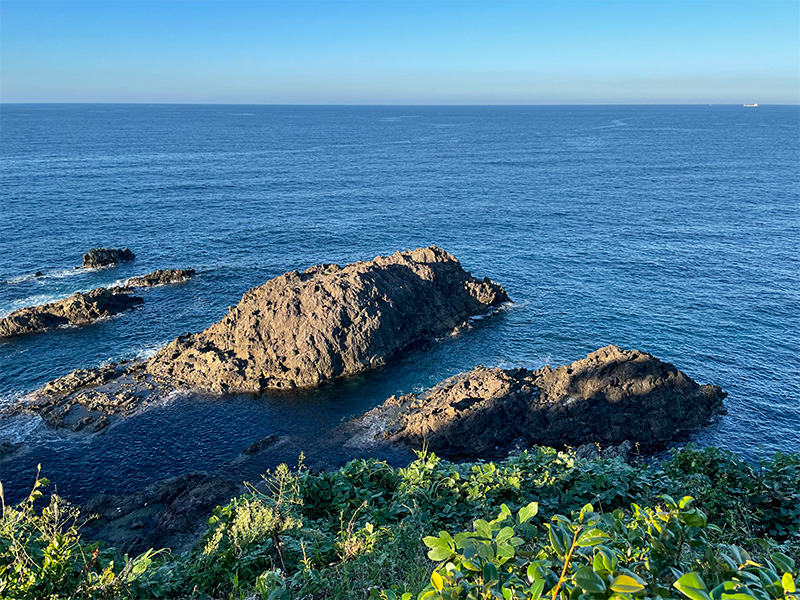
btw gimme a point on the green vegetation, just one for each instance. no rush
(702, 525)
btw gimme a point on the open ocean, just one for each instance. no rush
(669, 229)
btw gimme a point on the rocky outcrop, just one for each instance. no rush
(609, 397)
(296, 330)
(169, 513)
(89, 399)
(301, 329)
(161, 277)
(105, 257)
(78, 309)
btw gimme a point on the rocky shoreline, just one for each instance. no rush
(79, 309)
(611, 397)
(297, 330)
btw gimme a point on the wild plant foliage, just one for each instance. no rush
(541, 524)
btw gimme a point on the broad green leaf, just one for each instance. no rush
(505, 534)
(436, 581)
(783, 562)
(489, 573)
(625, 584)
(590, 581)
(528, 512)
(788, 583)
(483, 529)
(535, 590)
(692, 586)
(592, 537)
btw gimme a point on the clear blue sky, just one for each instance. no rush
(647, 51)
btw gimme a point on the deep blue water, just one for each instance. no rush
(671, 229)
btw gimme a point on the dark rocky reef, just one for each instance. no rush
(301, 329)
(161, 277)
(296, 330)
(609, 397)
(171, 513)
(104, 257)
(78, 309)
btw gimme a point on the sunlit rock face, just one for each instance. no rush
(300, 329)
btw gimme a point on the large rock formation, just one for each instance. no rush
(78, 309)
(609, 397)
(104, 257)
(300, 329)
(161, 277)
(296, 330)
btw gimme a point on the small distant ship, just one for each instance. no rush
(753, 105)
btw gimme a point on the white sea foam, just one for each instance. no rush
(19, 428)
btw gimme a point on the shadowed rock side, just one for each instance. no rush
(609, 397)
(78, 309)
(296, 330)
(104, 257)
(161, 277)
(300, 329)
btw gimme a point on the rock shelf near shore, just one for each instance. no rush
(105, 257)
(609, 397)
(161, 277)
(296, 330)
(79, 309)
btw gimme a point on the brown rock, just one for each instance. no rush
(301, 329)
(609, 397)
(105, 257)
(78, 309)
(161, 277)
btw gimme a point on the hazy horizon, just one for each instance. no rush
(400, 53)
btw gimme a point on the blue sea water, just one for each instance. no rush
(671, 229)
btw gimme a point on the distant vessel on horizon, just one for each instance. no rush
(753, 105)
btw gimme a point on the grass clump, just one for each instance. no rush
(540, 524)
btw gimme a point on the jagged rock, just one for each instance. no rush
(161, 277)
(296, 330)
(595, 451)
(609, 397)
(104, 257)
(78, 309)
(301, 329)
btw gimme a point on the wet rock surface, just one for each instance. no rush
(161, 277)
(90, 399)
(300, 329)
(609, 397)
(105, 257)
(79, 309)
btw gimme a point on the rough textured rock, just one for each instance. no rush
(300, 329)
(609, 397)
(104, 257)
(78, 309)
(296, 330)
(161, 277)
(89, 399)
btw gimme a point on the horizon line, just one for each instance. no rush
(322, 104)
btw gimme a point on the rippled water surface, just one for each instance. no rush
(673, 230)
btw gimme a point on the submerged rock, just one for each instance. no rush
(104, 257)
(169, 513)
(609, 397)
(78, 309)
(301, 329)
(161, 277)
